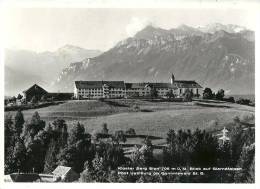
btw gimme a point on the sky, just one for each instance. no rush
(47, 29)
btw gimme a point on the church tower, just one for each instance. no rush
(172, 79)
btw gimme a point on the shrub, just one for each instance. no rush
(229, 99)
(220, 94)
(119, 136)
(136, 108)
(19, 96)
(188, 94)
(130, 131)
(104, 128)
(208, 94)
(243, 101)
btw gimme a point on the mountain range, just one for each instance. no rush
(216, 56)
(23, 68)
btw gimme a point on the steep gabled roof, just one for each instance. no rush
(61, 170)
(99, 84)
(23, 177)
(35, 87)
(144, 85)
(186, 84)
(163, 85)
(121, 84)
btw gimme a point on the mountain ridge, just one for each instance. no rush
(217, 60)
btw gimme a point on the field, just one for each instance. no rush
(146, 117)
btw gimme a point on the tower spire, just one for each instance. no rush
(172, 79)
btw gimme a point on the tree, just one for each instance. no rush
(13, 99)
(225, 160)
(170, 94)
(147, 151)
(243, 101)
(188, 94)
(32, 127)
(95, 173)
(104, 128)
(130, 131)
(237, 121)
(246, 162)
(58, 142)
(137, 158)
(207, 93)
(119, 136)
(77, 150)
(35, 155)
(19, 96)
(18, 122)
(9, 142)
(230, 99)
(19, 156)
(220, 94)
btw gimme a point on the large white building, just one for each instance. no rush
(120, 89)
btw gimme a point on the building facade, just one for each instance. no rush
(120, 89)
(99, 89)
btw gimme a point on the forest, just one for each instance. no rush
(34, 146)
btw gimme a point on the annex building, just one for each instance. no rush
(120, 89)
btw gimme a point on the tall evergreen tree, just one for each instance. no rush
(19, 156)
(246, 163)
(9, 143)
(18, 122)
(77, 150)
(58, 142)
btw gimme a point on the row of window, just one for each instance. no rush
(101, 89)
(98, 96)
(119, 91)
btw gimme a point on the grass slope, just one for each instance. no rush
(157, 118)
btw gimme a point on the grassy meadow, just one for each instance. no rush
(153, 118)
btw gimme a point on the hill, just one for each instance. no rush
(23, 67)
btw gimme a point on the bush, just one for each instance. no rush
(136, 108)
(243, 101)
(196, 95)
(19, 97)
(220, 94)
(119, 136)
(188, 94)
(229, 99)
(130, 131)
(104, 128)
(208, 94)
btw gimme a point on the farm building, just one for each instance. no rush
(34, 90)
(120, 89)
(38, 92)
(66, 174)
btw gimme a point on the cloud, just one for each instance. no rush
(136, 24)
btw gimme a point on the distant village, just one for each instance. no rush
(175, 90)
